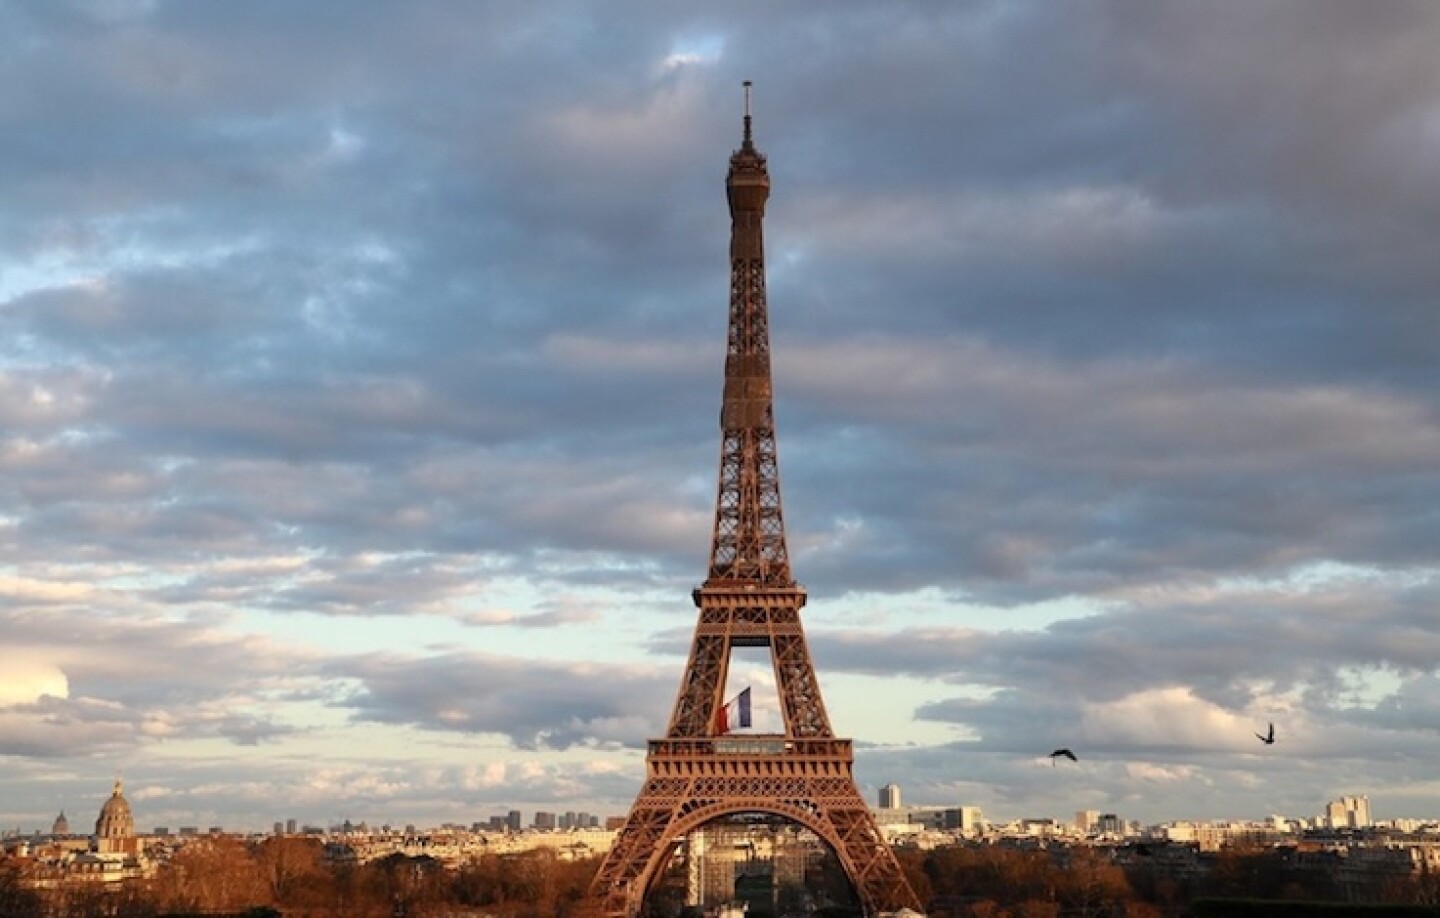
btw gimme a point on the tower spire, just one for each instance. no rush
(749, 535)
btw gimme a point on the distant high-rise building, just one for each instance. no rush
(1110, 824)
(1086, 820)
(290, 826)
(1362, 812)
(279, 828)
(512, 821)
(1348, 813)
(1335, 814)
(890, 797)
(972, 821)
(544, 820)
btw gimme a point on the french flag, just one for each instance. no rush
(735, 714)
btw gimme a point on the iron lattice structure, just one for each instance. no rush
(696, 775)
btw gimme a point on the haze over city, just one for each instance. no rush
(360, 364)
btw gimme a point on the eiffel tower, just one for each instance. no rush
(699, 772)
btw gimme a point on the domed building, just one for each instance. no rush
(61, 826)
(115, 829)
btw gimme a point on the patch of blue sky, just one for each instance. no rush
(695, 50)
(1319, 576)
(128, 579)
(881, 710)
(43, 271)
(515, 619)
(117, 245)
(1367, 687)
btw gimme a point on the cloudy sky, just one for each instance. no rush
(360, 365)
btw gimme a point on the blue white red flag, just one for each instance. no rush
(735, 714)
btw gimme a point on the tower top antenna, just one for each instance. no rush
(747, 113)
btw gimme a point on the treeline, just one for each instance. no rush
(999, 882)
(291, 877)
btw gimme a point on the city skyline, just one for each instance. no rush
(1347, 811)
(360, 363)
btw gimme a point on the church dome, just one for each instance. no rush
(61, 826)
(115, 820)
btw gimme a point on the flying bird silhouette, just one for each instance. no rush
(1062, 753)
(1267, 738)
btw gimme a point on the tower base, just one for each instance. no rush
(691, 782)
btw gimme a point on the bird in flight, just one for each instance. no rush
(1062, 753)
(1267, 738)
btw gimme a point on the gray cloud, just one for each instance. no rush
(533, 702)
(387, 312)
(1229, 645)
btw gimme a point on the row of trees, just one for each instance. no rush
(1000, 882)
(1082, 881)
(292, 877)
